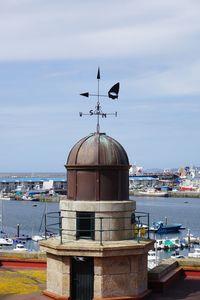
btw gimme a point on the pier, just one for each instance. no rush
(183, 194)
(173, 194)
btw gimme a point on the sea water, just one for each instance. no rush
(185, 211)
(175, 210)
(30, 216)
(25, 216)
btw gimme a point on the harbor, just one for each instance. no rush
(177, 183)
(16, 216)
(179, 244)
(31, 197)
(23, 219)
(184, 183)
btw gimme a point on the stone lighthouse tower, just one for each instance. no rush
(96, 257)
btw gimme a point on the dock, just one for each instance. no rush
(173, 194)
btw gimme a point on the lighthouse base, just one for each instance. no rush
(115, 271)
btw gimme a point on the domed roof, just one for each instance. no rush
(97, 149)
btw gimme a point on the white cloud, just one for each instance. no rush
(151, 47)
(46, 29)
(180, 79)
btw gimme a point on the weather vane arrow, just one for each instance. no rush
(112, 94)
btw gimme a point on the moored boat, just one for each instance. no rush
(37, 238)
(20, 247)
(23, 237)
(191, 239)
(152, 259)
(152, 193)
(6, 242)
(177, 255)
(168, 244)
(161, 228)
(195, 254)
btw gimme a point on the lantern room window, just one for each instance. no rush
(85, 225)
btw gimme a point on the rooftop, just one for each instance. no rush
(29, 282)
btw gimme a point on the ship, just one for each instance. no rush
(160, 227)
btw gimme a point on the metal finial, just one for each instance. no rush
(98, 73)
(112, 94)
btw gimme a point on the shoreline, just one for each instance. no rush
(172, 194)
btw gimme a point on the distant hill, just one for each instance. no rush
(155, 170)
(35, 174)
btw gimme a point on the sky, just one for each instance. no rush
(50, 52)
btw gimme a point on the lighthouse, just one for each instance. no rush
(97, 255)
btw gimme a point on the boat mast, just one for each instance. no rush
(1, 216)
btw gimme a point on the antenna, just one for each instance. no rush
(112, 94)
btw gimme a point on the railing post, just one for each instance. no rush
(148, 224)
(101, 231)
(138, 230)
(60, 228)
(45, 226)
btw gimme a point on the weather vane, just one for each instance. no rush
(112, 94)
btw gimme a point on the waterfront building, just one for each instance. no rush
(142, 181)
(23, 184)
(160, 181)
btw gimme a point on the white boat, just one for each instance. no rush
(177, 242)
(37, 238)
(20, 188)
(165, 244)
(191, 239)
(20, 247)
(159, 244)
(195, 254)
(152, 259)
(177, 255)
(5, 198)
(6, 242)
(151, 192)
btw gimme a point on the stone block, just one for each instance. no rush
(113, 276)
(69, 227)
(114, 225)
(119, 285)
(98, 286)
(105, 227)
(98, 266)
(88, 206)
(135, 263)
(54, 281)
(113, 213)
(116, 206)
(116, 265)
(58, 274)
(142, 263)
(59, 263)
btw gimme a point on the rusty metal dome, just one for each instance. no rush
(97, 149)
(97, 169)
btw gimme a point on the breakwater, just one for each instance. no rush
(174, 194)
(185, 194)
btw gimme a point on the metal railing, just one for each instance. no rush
(139, 226)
